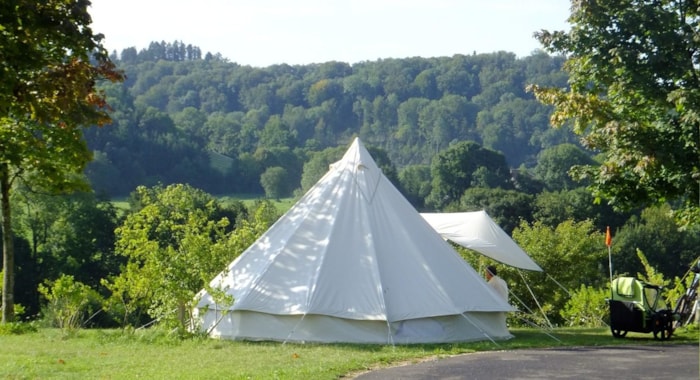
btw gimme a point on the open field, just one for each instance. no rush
(113, 354)
(282, 205)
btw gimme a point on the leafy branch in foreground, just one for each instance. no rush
(50, 62)
(633, 95)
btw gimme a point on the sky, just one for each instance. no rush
(261, 33)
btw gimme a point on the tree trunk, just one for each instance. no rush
(8, 250)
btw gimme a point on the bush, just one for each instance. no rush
(586, 308)
(17, 328)
(70, 303)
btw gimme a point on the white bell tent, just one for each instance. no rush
(478, 232)
(353, 261)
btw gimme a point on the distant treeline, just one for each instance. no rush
(181, 117)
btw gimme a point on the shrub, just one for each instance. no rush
(586, 308)
(17, 328)
(70, 303)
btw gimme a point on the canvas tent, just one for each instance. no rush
(478, 232)
(353, 261)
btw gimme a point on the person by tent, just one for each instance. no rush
(497, 283)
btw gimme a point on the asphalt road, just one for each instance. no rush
(668, 361)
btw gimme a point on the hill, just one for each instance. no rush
(217, 125)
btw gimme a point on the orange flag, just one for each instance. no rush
(608, 237)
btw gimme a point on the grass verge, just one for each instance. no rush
(114, 354)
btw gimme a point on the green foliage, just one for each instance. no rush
(679, 286)
(650, 275)
(180, 110)
(513, 126)
(654, 232)
(68, 302)
(20, 311)
(586, 307)
(175, 242)
(51, 62)
(70, 234)
(554, 164)
(555, 207)
(18, 328)
(633, 95)
(415, 184)
(571, 254)
(276, 183)
(318, 165)
(507, 208)
(174, 245)
(463, 165)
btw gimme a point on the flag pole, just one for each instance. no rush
(608, 243)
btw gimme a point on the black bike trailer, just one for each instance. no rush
(637, 306)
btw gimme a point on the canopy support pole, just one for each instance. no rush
(535, 298)
(560, 285)
(389, 335)
(464, 315)
(294, 329)
(539, 327)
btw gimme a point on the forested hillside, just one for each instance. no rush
(457, 133)
(219, 126)
(453, 133)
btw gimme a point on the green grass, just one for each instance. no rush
(113, 354)
(282, 205)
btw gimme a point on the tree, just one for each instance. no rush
(318, 165)
(174, 244)
(667, 248)
(634, 92)
(454, 169)
(506, 207)
(80, 242)
(554, 164)
(415, 184)
(275, 181)
(51, 61)
(571, 254)
(69, 235)
(555, 207)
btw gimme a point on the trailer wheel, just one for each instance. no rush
(663, 326)
(617, 333)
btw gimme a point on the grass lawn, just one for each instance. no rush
(113, 354)
(284, 204)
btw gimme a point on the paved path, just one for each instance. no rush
(668, 361)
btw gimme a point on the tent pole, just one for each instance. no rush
(464, 315)
(539, 327)
(535, 298)
(294, 329)
(560, 285)
(523, 304)
(390, 336)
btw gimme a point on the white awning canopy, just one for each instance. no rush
(478, 232)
